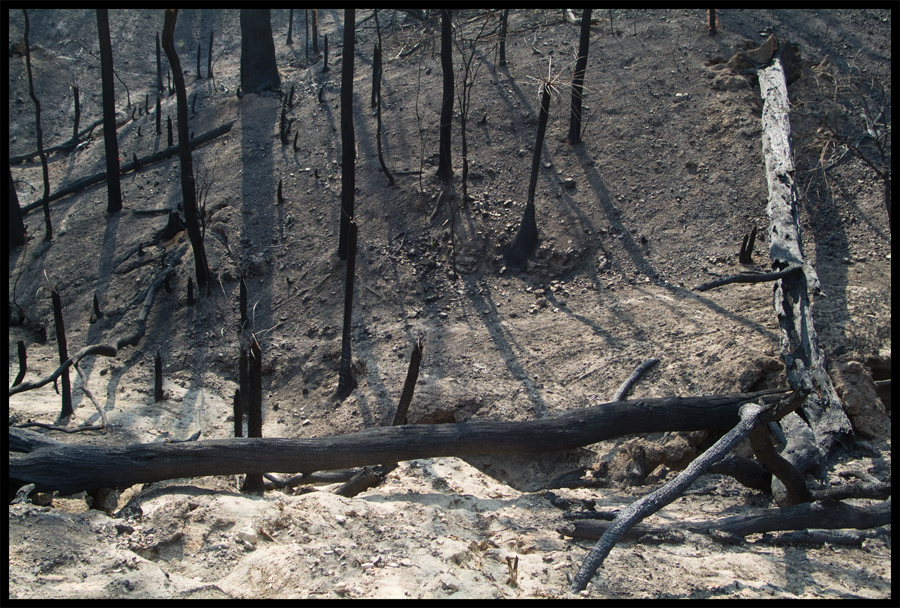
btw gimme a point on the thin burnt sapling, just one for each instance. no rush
(578, 79)
(159, 82)
(504, 20)
(445, 168)
(23, 365)
(209, 60)
(516, 256)
(48, 228)
(77, 97)
(290, 39)
(348, 139)
(157, 378)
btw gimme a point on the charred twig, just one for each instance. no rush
(626, 386)
(746, 254)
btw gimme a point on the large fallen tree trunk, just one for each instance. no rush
(71, 468)
(160, 156)
(804, 360)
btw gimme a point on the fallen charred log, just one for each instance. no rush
(821, 515)
(160, 156)
(70, 468)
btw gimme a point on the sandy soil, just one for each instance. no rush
(658, 198)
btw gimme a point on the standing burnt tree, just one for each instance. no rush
(259, 71)
(445, 170)
(526, 241)
(578, 80)
(347, 247)
(67, 410)
(188, 190)
(504, 20)
(376, 98)
(315, 32)
(348, 141)
(48, 234)
(111, 143)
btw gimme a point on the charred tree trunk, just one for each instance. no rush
(157, 378)
(48, 234)
(77, 116)
(346, 381)
(578, 80)
(259, 71)
(111, 142)
(527, 238)
(188, 187)
(445, 168)
(71, 469)
(159, 84)
(409, 387)
(290, 40)
(315, 32)
(63, 355)
(14, 216)
(348, 139)
(254, 481)
(504, 20)
(209, 72)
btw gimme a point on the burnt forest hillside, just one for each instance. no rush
(669, 180)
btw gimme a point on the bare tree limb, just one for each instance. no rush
(822, 515)
(749, 277)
